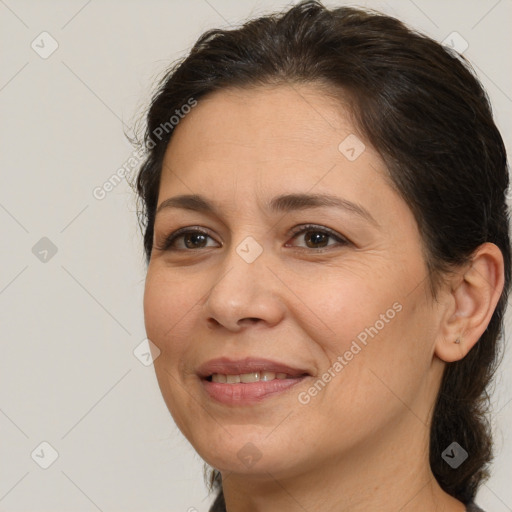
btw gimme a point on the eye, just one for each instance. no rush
(193, 238)
(196, 238)
(317, 236)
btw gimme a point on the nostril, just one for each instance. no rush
(251, 320)
(212, 323)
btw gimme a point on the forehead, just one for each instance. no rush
(281, 120)
(273, 133)
(237, 145)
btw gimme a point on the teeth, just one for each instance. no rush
(250, 377)
(247, 377)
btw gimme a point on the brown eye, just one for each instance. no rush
(318, 238)
(192, 239)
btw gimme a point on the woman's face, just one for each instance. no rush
(340, 308)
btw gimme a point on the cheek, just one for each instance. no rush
(370, 323)
(348, 307)
(167, 302)
(168, 308)
(380, 359)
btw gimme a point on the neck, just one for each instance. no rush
(385, 476)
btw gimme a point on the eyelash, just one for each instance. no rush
(169, 240)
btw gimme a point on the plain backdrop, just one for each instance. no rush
(72, 266)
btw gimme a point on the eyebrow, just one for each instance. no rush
(281, 203)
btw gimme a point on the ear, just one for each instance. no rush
(475, 291)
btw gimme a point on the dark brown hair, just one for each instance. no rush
(422, 107)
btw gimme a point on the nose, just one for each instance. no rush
(244, 294)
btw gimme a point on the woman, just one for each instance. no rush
(324, 216)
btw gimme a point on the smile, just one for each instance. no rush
(248, 388)
(247, 377)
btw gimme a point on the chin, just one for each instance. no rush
(245, 452)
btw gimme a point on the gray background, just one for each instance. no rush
(71, 320)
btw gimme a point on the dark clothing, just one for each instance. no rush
(471, 507)
(220, 506)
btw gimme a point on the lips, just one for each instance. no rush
(226, 381)
(226, 366)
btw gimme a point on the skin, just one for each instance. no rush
(362, 442)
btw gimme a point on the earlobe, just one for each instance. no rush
(453, 350)
(471, 303)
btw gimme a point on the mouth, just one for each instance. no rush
(248, 381)
(255, 367)
(246, 378)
